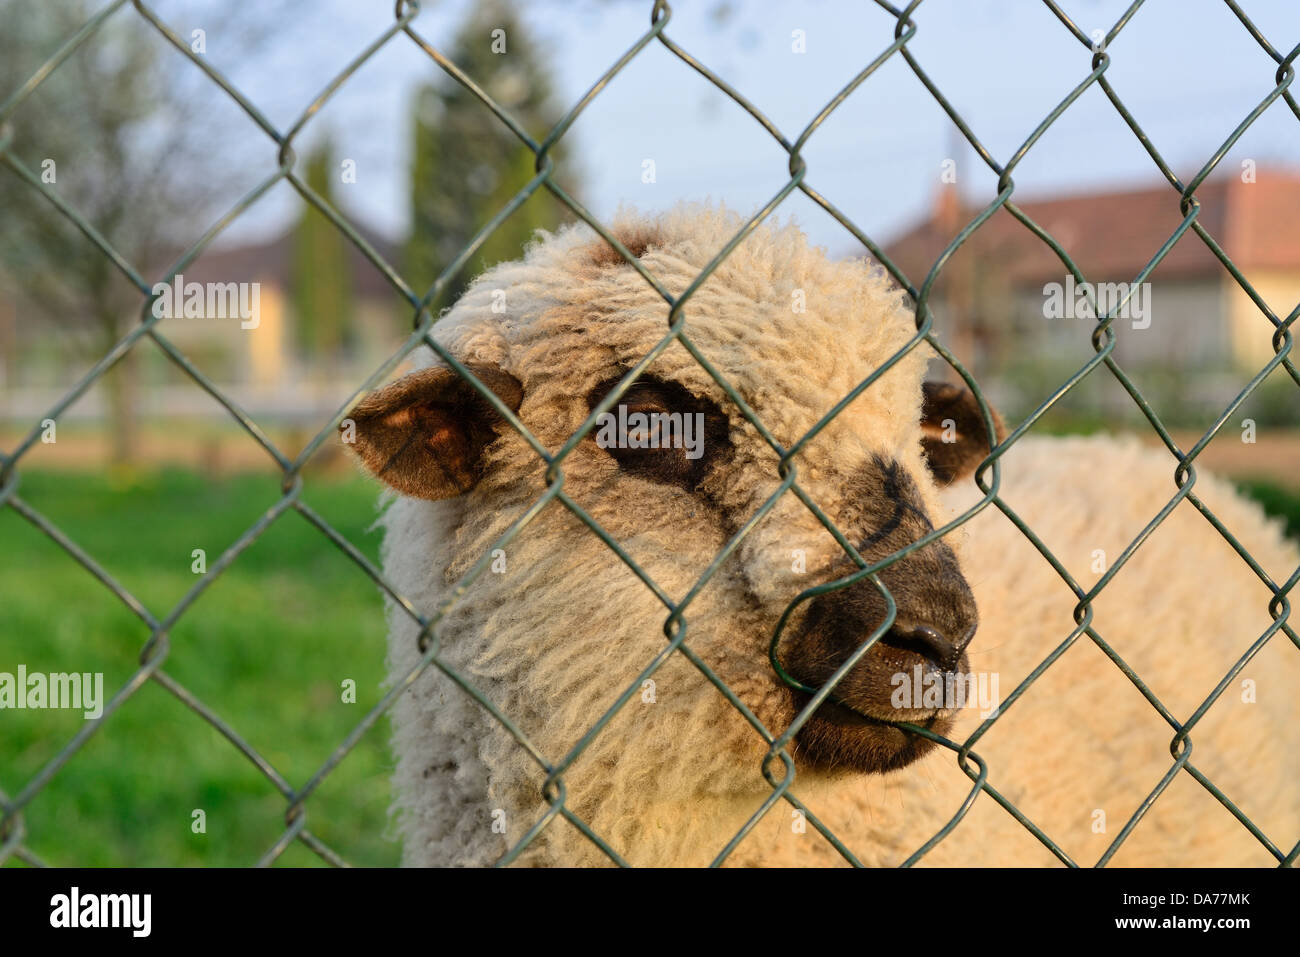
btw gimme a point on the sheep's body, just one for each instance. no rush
(566, 628)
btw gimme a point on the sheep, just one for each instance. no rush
(561, 627)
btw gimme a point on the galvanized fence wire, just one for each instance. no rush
(778, 766)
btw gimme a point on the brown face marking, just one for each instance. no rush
(667, 465)
(935, 621)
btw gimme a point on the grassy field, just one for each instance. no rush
(1277, 500)
(267, 647)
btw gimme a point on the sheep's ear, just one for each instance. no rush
(424, 435)
(954, 435)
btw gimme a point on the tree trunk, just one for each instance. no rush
(122, 383)
(8, 344)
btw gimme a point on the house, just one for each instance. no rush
(258, 362)
(261, 357)
(1005, 293)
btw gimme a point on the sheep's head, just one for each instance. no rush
(676, 471)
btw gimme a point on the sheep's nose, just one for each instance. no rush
(928, 642)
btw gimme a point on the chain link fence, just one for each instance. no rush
(778, 768)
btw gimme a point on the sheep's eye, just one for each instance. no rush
(660, 431)
(647, 427)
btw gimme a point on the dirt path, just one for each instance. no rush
(203, 449)
(1274, 456)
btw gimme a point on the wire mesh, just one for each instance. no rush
(778, 767)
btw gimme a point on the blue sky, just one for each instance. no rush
(1187, 69)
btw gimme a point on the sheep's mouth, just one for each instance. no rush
(838, 737)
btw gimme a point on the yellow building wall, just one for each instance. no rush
(1252, 333)
(267, 342)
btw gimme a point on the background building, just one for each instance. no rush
(994, 285)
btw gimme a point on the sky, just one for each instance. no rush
(1187, 69)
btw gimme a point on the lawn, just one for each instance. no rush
(1277, 500)
(268, 647)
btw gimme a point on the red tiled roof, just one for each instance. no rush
(1112, 236)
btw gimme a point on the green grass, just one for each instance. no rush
(1277, 500)
(267, 647)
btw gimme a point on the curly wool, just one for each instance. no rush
(567, 628)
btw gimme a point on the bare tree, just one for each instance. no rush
(125, 133)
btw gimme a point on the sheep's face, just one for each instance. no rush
(677, 472)
(925, 646)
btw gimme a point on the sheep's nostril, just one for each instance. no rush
(925, 641)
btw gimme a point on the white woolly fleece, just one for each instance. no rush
(555, 639)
